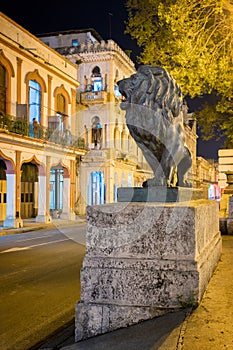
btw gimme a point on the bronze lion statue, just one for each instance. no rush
(155, 118)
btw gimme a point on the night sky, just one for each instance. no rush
(107, 18)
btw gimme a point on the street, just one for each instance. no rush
(39, 283)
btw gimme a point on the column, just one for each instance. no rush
(66, 212)
(18, 185)
(72, 185)
(11, 220)
(43, 197)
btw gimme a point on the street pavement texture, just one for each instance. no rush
(208, 327)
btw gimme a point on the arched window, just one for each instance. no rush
(96, 131)
(2, 89)
(97, 81)
(62, 101)
(61, 104)
(61, 111)
(34, 101)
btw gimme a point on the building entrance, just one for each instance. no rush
(2, 191)
(29, 191)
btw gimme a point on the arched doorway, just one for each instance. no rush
(29, 190)
(56, 190)
(96, 188)
(2, 191)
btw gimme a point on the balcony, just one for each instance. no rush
(13, 125)
(93, 97)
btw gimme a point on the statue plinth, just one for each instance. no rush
(144, 260)
(158, 194)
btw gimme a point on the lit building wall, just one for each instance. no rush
(225, 159)
(26, 63)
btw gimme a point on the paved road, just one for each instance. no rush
(39, 283)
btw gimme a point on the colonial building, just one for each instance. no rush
(225, 179)
(225, 159)
(114, 160)
(206, 177)
(39, 146)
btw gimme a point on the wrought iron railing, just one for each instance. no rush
(22, 127)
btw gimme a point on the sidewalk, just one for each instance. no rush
(32, 225)
(209, 327)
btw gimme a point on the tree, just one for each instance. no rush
(193, 41)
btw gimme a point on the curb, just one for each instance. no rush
(14, 231)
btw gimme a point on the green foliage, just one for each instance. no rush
(193, 41)
(20, 126)
(189, 302)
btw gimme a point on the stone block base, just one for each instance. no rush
(143, 260)
(158, 194)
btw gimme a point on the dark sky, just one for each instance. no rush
(105, 16)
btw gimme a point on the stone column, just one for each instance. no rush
(11, 220)
(66, 212)
(43, 213)
(18, 186)
(13, 178)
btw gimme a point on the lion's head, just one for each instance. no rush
(152, 87)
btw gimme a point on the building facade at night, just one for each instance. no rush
(114, 160)
(39, 149)
(64, 140)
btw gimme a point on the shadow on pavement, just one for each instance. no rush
(147, 335)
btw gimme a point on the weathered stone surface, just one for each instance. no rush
(102, 318)
(141, 258)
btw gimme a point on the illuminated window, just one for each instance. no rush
(34, 100)
(75, 42)
(56, 189)
(97, 82)
(96, 188)
(96, 131)
(116, 91)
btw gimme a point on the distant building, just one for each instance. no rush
(206, 177)
(225, 159)
(113, 160)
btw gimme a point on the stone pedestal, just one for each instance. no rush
(158, 194)
(143, 260)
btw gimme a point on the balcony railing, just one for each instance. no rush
(20, 126)
(93, 97)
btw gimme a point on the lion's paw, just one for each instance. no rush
(154, 182)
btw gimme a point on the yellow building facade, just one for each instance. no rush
(39, 149)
